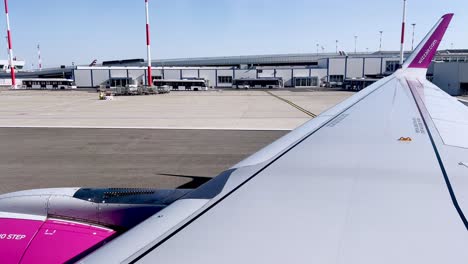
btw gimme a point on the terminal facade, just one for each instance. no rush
(449, 71)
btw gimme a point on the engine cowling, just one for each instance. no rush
(63, 225)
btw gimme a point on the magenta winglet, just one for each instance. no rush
(425, 56)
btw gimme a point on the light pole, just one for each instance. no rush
(402, 48)
(355, 44)
(412, 41)
(317, 49)
(7, 49)
(148, 45)
(380, 45)
(39, 58)
(336, 46)
(10, 48)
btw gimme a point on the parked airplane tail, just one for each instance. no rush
(423, 55)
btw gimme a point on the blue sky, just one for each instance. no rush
(82, 30)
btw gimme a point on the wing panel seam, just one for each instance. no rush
(439, 159)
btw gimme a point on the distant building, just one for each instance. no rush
(5, 65)
(452, 77)
(294, 70)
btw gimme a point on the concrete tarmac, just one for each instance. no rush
(236, 110)
(71, 139)
(33, 158)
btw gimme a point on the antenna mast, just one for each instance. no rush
(402, 48)
(10, 48)
(148, 46)
(39, 57)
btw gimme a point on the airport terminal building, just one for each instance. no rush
(449, 71)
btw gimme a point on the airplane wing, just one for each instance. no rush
(380, 178)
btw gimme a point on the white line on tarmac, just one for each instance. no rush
(157, 128)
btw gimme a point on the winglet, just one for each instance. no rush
(425, 52)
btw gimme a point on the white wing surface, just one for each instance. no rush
(380, 178)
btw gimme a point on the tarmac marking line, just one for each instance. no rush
(307, 112)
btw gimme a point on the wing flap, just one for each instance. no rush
(449, 116)
(453, 134)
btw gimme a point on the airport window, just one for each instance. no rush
(306, 82)
(464, 88)
(224, 79)
(391, 66)
(314, 81)
(336, 78)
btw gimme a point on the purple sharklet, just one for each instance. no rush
(425, 56)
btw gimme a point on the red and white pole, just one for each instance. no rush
(10, 48)
(39, 57)
(148, 45)
(403, 25)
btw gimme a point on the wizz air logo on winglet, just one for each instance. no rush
(431, 47)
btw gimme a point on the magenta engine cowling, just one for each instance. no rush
(64, 225)
(48, 240)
